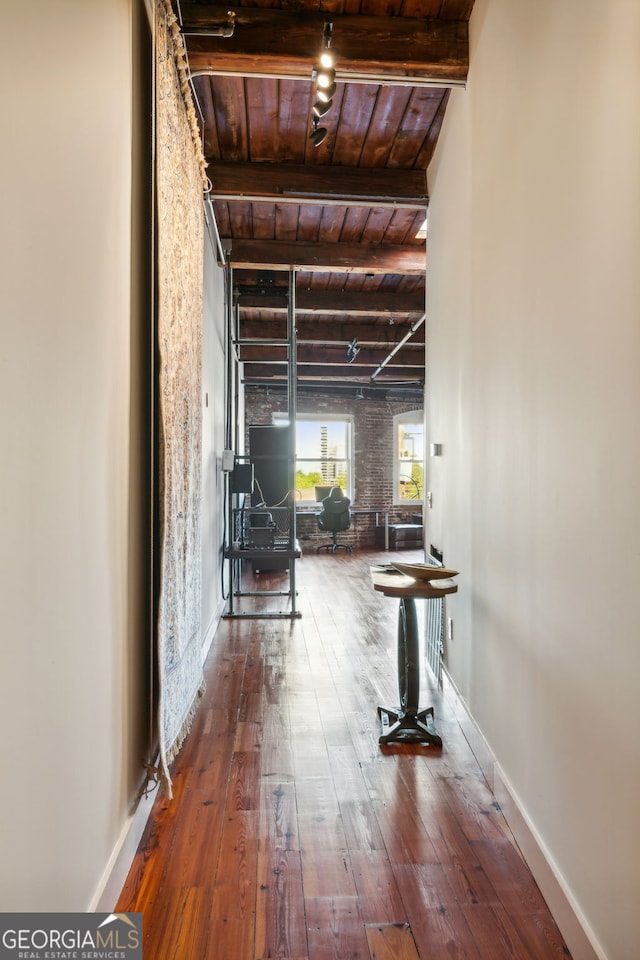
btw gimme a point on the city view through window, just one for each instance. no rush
(410, 461)
(322, 458)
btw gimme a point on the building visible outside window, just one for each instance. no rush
(323, 456)
(409, 458)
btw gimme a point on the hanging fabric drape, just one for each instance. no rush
(180, 182)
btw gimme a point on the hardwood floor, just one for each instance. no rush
(292, 834)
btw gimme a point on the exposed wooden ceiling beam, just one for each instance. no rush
(309, 331)
(330, 355)
(286, 43)
(333, 257)
(352, 302)
(322, 183)
(263, 372)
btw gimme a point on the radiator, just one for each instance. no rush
(435, 620)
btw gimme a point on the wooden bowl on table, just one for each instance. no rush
(425, 571)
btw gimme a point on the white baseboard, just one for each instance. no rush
(209, 633)
(112, 881)
(117, 869)
(574, 927)
(477, 742)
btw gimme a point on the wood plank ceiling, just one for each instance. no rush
(345, 214)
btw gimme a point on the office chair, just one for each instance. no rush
(335, 516)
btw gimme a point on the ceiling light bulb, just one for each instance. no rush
(325, 78)
(327, 58)
(326, 95)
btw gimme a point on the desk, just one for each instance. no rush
(356, 511)
(408, 724)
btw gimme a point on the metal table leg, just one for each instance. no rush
(408, 725)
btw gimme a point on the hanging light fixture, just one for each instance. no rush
(318, 134)
(324, 75)
(325, 84)
(352, 350)
(319, 109)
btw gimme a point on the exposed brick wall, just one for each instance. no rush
(373, 452)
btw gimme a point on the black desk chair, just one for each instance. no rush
(335, 516)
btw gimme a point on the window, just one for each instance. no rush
(323, 456)
(408, 467)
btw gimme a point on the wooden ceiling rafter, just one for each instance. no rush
(318, 184)
(310, 372)
(314, 332)
(331, 355)
(280, 43)
(337, 302)
(331, 257)
(346, 214)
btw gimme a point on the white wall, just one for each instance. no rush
(65, 394)
(534, 353)
(213, 438)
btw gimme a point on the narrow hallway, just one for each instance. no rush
(293, 834)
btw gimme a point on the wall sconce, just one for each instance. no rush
(324, 75)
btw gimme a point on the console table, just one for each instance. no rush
(408, 724)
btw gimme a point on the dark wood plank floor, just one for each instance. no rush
(292, 834)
